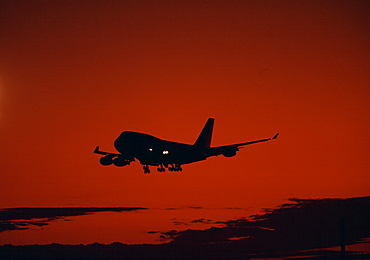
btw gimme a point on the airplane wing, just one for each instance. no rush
(230, 150)
(105, 153)
(251, 142)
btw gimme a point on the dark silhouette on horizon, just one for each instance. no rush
(152, 151)
(304, 227)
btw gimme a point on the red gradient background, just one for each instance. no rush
(75, 74)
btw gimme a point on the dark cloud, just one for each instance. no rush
(178, 222)
(23, 218)
(30, 213)
(298, 225)
(184, 208)
(22, 225)
(235, 208)
(202, 221)
(195, 207)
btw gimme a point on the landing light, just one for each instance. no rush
(165, 152)
(151, 149)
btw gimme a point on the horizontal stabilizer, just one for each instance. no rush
(97, 151)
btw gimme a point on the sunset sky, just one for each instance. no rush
(75, 74)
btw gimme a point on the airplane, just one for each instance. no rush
(152, 151)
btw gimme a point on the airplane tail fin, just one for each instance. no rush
(204, 139)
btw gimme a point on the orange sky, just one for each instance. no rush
(74, 75)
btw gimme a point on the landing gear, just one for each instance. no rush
(161, 169)
(175, 168)
(146, 169)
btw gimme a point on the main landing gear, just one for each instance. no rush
(146, 169)
(175, 168)
(162, 168)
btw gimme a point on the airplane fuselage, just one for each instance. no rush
(150, 150)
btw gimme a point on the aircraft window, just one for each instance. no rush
(151, 149)
(165, 152)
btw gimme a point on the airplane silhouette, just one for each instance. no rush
(152, 151)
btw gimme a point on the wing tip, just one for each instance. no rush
(275, 136)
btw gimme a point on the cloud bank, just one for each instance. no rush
(288, 230)
(23, 218)
(299, 225)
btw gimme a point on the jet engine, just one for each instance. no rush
(229, 152)
(120, 161)
(106, 160)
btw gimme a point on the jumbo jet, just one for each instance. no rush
(152, 151)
